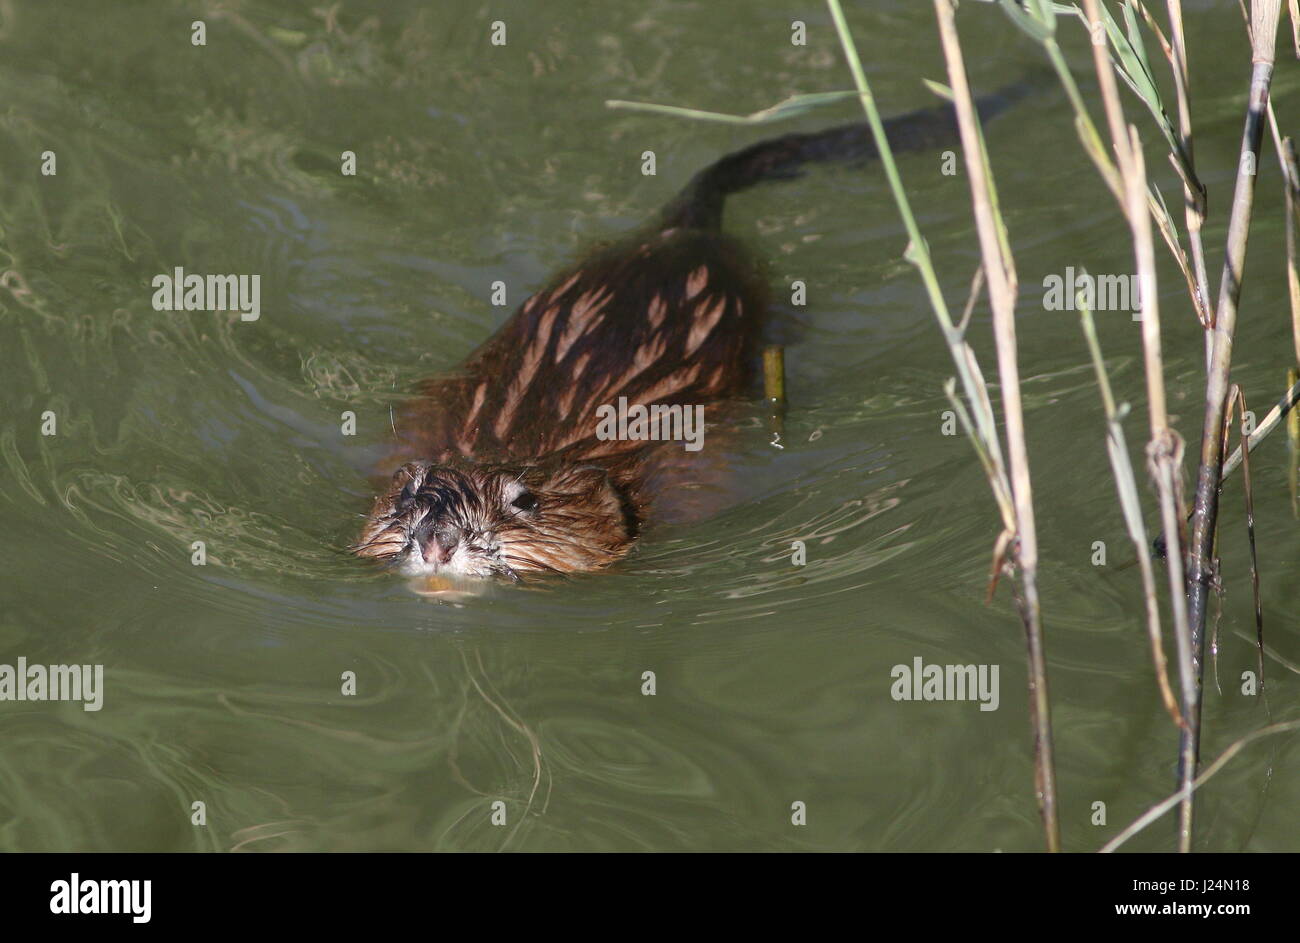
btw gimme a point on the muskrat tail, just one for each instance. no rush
(699, 205)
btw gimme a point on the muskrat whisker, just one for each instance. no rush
(376, 541)
(568, 544)
(357, 548)
(534, 563)
(547, 542)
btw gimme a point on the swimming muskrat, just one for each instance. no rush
(510, 476)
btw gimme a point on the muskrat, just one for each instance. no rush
(510, 476)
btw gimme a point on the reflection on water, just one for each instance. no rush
(771, 681)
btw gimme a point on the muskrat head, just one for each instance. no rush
(480, 520)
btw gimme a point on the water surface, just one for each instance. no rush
(478, 163)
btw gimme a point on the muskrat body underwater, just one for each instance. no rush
(510, 476)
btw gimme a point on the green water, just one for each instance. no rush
(477, 163)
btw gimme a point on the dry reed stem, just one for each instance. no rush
(1264, 23)
(1193, 190)
(1000, 277)
(1164, 446)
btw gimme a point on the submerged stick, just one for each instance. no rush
(774, 376)
(774, 386)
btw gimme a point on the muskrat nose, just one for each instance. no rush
(439, 546)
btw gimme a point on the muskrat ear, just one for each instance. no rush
(411, 476)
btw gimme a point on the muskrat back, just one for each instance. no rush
(672, 319)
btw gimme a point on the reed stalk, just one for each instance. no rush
(1264, 23)
(1000, 276)
(1193, 189)
(1164, 451)
(1291, 197)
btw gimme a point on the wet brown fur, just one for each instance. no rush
(670, 318)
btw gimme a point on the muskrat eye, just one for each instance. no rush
(525, 501)
(407, 494)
